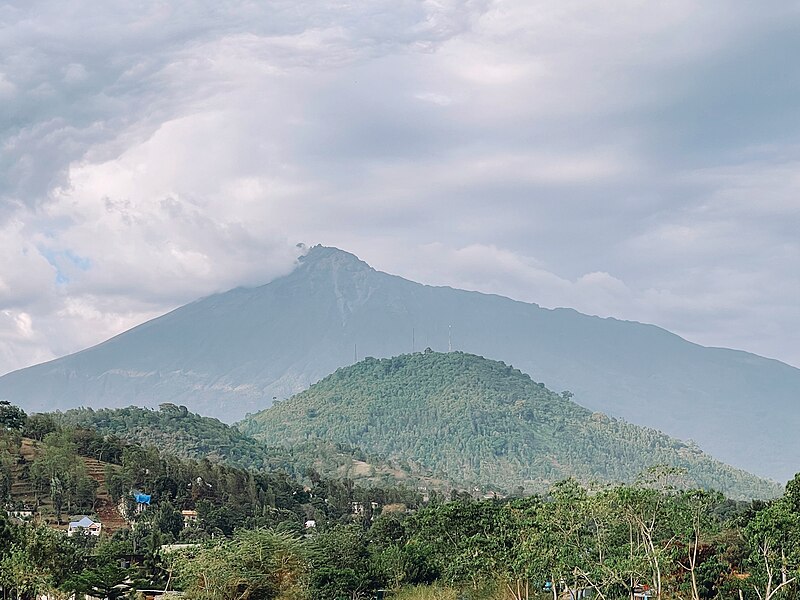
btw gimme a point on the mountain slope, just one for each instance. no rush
(178, 432)
(479, 421)
(231, 353)
(18, 455)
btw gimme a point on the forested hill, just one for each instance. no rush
(177, 431)
(478, 421)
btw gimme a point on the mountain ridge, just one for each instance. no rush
(232, 353)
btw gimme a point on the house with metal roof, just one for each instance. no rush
(86, 526)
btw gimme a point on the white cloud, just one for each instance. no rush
(75, 73)
(7, 88)
(434, 98)
(614, 158)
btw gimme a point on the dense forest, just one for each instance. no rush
(175, 430)
(480, 422)
(179, 432)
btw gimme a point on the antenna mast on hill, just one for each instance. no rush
(355, 353)
(449, 338)
(412, 340)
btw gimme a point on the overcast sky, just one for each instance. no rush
(634, 159)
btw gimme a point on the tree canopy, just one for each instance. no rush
(479, 422)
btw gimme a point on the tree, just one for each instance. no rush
(520, 559)
(12, 417)
(154, 568)
(61, 472)
(456, 535)
(108, 580)
(693, 524)
(9, 446)
(6, 533)
(39, 560)
(609, 564)
(39, 425)
(648, 513)
(773, 536)
(340, 564)
(258, 564)
(394, 561)
(21, 576)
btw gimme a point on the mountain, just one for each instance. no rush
(481, 422)
(231, 353)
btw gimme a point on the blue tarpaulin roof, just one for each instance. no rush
(142, 498)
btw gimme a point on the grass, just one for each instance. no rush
(426, 592)
(439, 592)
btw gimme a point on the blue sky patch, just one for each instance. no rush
(65, 262)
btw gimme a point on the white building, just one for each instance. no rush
(85, 525)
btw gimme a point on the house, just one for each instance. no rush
(142, 501)
(189, 518)
(86, 526)
(21, 514)
(357, 508)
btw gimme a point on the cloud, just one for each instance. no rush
(635, 160)
(490, 269)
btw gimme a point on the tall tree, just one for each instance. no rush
(258, 563)
(12, 417)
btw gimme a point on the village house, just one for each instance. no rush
(85, 525)
(22, 514)
(142, 501)
(189, 518)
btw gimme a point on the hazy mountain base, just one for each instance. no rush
(481, 422)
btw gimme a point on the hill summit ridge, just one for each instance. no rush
(482, 422)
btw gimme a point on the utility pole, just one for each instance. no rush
(449, 338)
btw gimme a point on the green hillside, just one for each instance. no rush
(58, 471)
(177, 431)
(477, 421)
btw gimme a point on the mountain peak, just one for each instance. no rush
(328, 258)
(231, 353)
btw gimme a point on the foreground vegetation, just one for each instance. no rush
(680, 543)
(264, 535)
